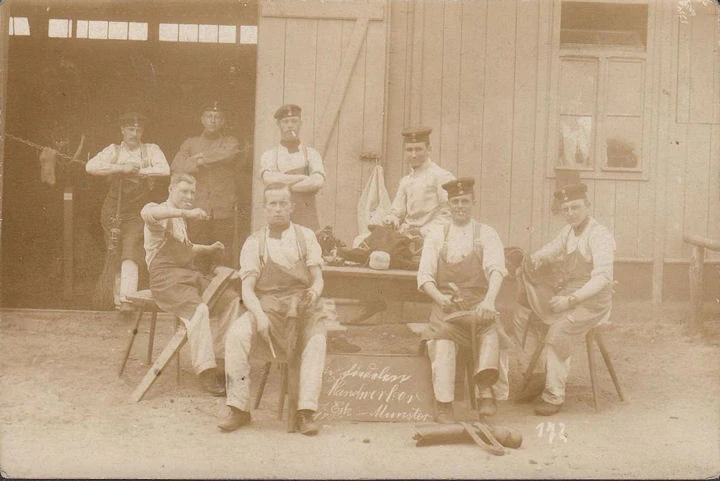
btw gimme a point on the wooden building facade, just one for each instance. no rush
(519, 94)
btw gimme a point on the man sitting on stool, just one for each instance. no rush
(281, 287)
(177, 286)
(584, 253)
(469, 256)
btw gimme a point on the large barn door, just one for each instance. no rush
(329, 58)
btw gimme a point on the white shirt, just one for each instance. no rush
(103, 161)
(278, 159)
(420, 195)
(155, 230)
(284, 251)
(595, 243)
(459, 246)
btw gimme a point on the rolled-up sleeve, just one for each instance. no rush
(315, 162)
(158, 163)
(493, 252)
(427, 270)
(554, 248)
(102, 162)
(314, 251)
(250, 258)
(602, 250)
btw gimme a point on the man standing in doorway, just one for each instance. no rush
(212, 159)
(130, 167)
(296, 165)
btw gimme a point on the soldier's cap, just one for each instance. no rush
(417, 134)
(571, 192)
(457, 187)
(134, 119)
(214, 106)
(287, 110)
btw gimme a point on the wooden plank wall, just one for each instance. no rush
(478, 73)
(298, 62)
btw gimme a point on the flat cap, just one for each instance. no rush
(287, 110)
(461, 186)
(135, 119)
(571, 192)
(214, 106)
(417, 134)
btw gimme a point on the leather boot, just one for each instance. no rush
(305, 423)
(235, 419)
(444, 413)
(544, 408)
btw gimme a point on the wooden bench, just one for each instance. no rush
(697, 261)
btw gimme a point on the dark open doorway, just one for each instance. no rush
(60, 88)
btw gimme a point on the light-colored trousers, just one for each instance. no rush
(442, 354)
(237, 365)
(206, 334)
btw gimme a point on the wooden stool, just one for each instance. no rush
(593, 335)
(285, 390)
(143, 302)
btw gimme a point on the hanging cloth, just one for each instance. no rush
(374, 204)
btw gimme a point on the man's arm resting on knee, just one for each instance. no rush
(318, 284)
(252, 303)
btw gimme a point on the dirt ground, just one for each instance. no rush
(65, 412)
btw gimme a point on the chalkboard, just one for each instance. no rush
(376, 387)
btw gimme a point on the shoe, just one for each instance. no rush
(547, 409)
(444, 413)
(487, 406)
(305, 423)
(340, 344)
(211, 383)
(234, 420)
(535, 386)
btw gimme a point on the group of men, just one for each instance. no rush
(282, 314)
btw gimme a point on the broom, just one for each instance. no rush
(105, 288)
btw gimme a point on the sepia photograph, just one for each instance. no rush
(360, 239)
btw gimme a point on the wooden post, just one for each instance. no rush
(4, 37)
(697, 260)
(68, 243)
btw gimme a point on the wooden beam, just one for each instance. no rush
(696, 287)
(323, 11)
(332, 108)
(4, 37)
(701, 241)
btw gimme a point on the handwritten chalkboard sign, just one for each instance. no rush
(376, 387)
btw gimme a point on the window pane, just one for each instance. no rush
(227, 34)
(118, 30)
(248, 34)
(624, 142)
(578, 86)
(575, 142)
(188, 33)
(138, 31)
(625, 87)
(59, 28)
(19, 26)
(168, 32)
(98, 29)
(596, 23)
(81, 29)
(208, 33)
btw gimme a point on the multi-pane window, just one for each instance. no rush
(601, 120)
(19, 26)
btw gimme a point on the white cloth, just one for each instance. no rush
(155, 230)
(207, 335)
(459, 245)
(595, 243)
(420, 196)
(103, 161)
(284, 251)
(374, 204)
(237, 366)
(278, 159)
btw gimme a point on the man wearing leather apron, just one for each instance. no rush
(296, 165)
(281, 286)
(130, 167)
(176, 284)
(462, 267)
(580, 262)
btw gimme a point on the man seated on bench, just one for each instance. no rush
(462, 268)
(281, 287)
(579, 264)
(177, 286)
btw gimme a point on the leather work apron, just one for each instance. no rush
(305, 212)
(468, 275)
(175, 285)
(576, 322)
(281, 291)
